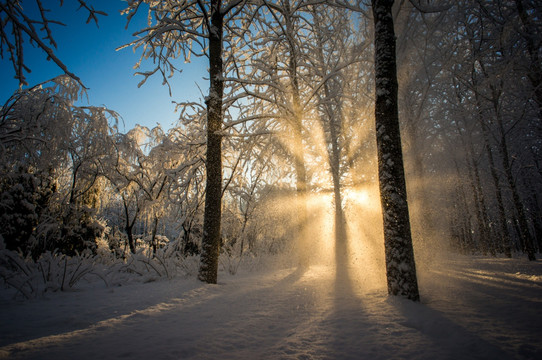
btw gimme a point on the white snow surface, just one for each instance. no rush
(471, 308)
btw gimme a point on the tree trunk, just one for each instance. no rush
(464, 214)
(129, 226)
(301, 192)
(131, 242)
(340, 223)
(153, 235)
(523, 227)
(479, 199)
(505, 235)
(208, 271)
(334, 124)
(298, 148)
(400, 264)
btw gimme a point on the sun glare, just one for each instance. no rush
(358, 196)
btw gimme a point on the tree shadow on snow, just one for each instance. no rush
(453, 340)
(374, 326)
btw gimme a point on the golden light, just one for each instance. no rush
(358, 196)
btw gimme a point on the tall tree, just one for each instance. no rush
(400, 264)
(274, 78)
(175, 28)
(213, 188)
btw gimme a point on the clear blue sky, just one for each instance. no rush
(89, 52)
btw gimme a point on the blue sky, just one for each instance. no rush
(89, 52)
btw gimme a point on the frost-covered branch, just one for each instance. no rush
(13, 15)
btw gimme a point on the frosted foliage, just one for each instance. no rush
(52, 156)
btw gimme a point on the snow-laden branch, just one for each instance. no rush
(21, 24)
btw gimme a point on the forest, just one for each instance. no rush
(282, 156)
(272, 220)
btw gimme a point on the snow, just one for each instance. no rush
(472, 308)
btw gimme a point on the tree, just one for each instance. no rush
(400, 264)
(336, 74)
(281, 78)
(485, 97)
(61, 148)
(177, 27)
(278, 71)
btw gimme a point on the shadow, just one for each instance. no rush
(454, 340)
(492, 301)
(343, 280)
(366, 324)
(345, 320)
(293, 277)
(79, 311)
(205, 321)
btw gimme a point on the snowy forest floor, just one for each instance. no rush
(472, 308)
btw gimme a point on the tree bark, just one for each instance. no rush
(464, 214)
(208, 271)
(400, 264)
(129, 225)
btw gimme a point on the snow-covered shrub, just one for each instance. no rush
(52, 155)
(230, 262)
(165, 263)
(24, 198)
(50, 272)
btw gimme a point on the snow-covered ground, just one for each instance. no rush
(472, 308)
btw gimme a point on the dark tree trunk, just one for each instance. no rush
(153, 235)
(335, 164)
(523, 226)
(505, 234)
(301, 189)
(464, 214)
(537, 221)
(340, 222)
(210, 248)
(479, 200)
(129, 226)
(131, 242)
(400, 264)
(332, 122)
